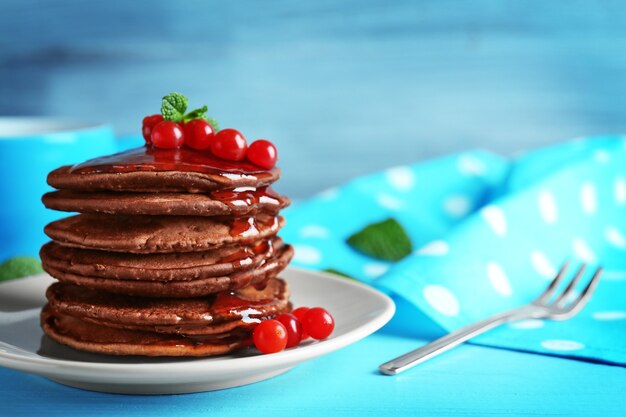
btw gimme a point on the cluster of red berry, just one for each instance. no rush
(228, 144)
(288, 330)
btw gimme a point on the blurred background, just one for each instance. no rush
(342, 87)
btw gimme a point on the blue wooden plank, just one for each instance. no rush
(470, 381)
(344, 88)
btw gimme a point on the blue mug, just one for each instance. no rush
(29, 149)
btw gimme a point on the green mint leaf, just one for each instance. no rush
(173, 107)
(20, 266)
(196, 114)
(386, 240)
(339, 273)
(213, 123)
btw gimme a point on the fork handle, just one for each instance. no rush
(447, 342)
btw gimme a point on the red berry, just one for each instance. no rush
(148, 124)
(270, 336)
(294, 328)
(229, 144)
(167, 135)
(318, 323)
(262, 153)
(299, 314)
(198, 134)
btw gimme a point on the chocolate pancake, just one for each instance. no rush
(148, 169)
(239, 202)
(170, 315)
(121, 325)
(186, 266)
(82, 335)
(181, 289)
(160, 234)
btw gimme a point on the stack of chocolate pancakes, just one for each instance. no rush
(174, 253)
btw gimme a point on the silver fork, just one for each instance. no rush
(543, 307)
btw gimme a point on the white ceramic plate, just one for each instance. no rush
(358, 311)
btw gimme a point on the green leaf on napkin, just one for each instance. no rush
(19, 266)
(337, 272)
(386, 240)
(173, 107)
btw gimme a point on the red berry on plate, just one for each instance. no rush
(262, 153)
(318, 323)
(148, 124)
(299, 314)
(229, 144)
(270, 336)
(294, 328)
(167, 135)
(198, 134)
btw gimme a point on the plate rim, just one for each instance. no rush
(218, 365)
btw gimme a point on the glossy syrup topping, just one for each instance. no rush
(242, 198)
(148, 158)
(247, 304)
(244, 254)
(249, 228)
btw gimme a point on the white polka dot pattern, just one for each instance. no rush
(500, 231)
(583, 251)
(307, 255)
(547, 207)
(456, 205)
(613, 275)
(374, 270)
(499, 280)
(470, 165)
(314, 230)
(389, 202)
(563, 345)
(494, 216)
(602, 156)
(542, 264)
(401, 178)
(441, 299)
(609, 315)
(588, 198)
(434, 248)
(615, 237)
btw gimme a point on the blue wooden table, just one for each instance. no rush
(343, 88)
(471, 381)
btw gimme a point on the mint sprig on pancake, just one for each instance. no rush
(386, 240)
(174, 106)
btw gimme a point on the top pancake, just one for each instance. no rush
(160, 170)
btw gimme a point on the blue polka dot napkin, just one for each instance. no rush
(489, 234)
